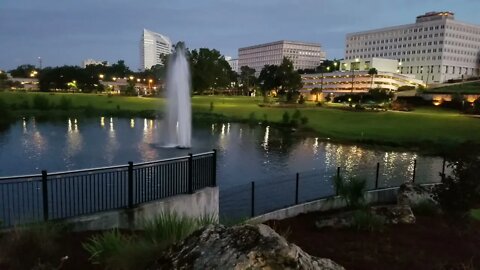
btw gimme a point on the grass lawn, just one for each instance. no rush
(424, 126)
(464, 88)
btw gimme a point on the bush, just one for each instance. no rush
(297, 114)
(460, 191)
(352, 191)
(364, 220)
(252, 119)
(405, 88)
(41, 102)
(320, 104)
(103, 247)
(211, 106)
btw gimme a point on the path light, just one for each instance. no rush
(101, 76)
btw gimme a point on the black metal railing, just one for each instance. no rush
(60, 195)
(266, 195)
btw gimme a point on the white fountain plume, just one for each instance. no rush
(179, 112)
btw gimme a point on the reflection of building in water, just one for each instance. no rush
(74, 139)
(147, 152)
(112, 143)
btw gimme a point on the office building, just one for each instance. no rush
(152, 47)
(353, 78)
(303, 55)
(435, 49)
(233, 63)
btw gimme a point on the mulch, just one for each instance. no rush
(431, 243)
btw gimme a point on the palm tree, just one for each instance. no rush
(372, 72)
(316, 91)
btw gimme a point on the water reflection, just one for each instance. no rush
(246, 152)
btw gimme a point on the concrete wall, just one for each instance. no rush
(382, 196)
(202, 203)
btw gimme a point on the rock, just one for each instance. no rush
(395, 214)
(338, 221)
(240, 247)
(411, 194)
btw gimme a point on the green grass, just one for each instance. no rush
(424, 127)
(464, 88)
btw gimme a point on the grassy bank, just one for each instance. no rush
(464, 88)
(424, 127)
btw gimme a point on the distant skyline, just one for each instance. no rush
(67, 32)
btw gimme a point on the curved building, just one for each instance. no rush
(152, 47)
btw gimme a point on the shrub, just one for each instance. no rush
(364, 220)
(41, 102)
(352, 191)
(297, 114)
(104, 246)
(460, 191)
(252, 119)
(170, 228)
(211, 106)
(320, 104)
(28, 246)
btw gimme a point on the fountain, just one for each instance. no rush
(179, 112)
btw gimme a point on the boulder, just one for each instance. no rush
(239, 247)
(411, 194)
(395, 214)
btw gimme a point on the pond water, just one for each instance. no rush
(245, 153)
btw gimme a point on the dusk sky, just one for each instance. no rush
(67, 32)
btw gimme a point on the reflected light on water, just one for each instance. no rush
(148, 152)
(315, 146)
(265, 138)
(132, 123)
(112, 130)
(213, 129)
(102, 121)
(74, 139)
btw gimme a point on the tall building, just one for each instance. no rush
(303, 55)
(233, 63)
(87, 62)
(435, 48)
(152, 47)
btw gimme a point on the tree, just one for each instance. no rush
(289, 80)
(247, 78)
(331, 65)
(67, 77)
(380, 94)
(209, 70)
(22, 71)
(268, 79)
(372, 72)
(316, 91)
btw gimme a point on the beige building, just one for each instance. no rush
(353, 78)
(152, 47)
(435, 48)
(303, 55)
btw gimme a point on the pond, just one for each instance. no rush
(245, 153)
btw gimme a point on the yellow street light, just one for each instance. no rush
(131, 78)
(114, 78)
(101, 76)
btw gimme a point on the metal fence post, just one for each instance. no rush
(414, 170)
(252, 212)
(443, 168)
(296, 188)
(130, 184)
(338, 179)
(376, 176)
(214, 167)
(190, 173)
(45, 195)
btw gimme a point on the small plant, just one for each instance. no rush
(104, 246)
(352, 191)
(169, 228)
(301, 100)
(364, 220)
(297, 114)
(304, 120)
